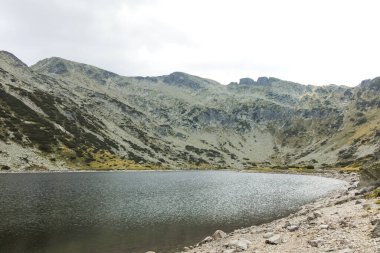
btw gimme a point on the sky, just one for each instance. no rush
(317, 42)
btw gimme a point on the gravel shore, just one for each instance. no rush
(346, 221)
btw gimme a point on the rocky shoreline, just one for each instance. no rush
(346, 221)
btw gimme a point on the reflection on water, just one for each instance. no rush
(139, 211)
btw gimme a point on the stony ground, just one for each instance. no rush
(344, 222)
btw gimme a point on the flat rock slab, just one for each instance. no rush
(274, 240)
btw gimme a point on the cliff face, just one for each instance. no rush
(62, 113)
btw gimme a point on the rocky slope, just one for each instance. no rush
(62, 114)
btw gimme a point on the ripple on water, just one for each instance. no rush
(136, 211)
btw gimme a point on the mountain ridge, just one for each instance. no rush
(97, 119)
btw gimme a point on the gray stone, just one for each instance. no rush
(206, 240)
(315, 243)
(287, 224)
(358, 202)
(274, 240)
(375, 221)
(364, 190)
(268, 235)
(229, 251)
(324, 226)
(292, 228)
(376, 231)
(239, 244)
(346, 250)
(317, 214)
(218, 234)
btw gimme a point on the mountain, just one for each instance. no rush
(63, 114)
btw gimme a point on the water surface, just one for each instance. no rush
(131, 212)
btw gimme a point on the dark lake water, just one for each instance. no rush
(132, 212)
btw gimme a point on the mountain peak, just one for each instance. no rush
(11, 60)
(53, 65)
(185, 80)
(60, 66)
(263, 80)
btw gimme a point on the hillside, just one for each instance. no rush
(62, 114)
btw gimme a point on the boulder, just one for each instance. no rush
(206, 240)
(5, 167)
(292, 228)
(274, 240)
(317, 214)
(376, 231)
(239, 244)
(268, 235)
(218, 234)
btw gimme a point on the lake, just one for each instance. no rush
(132, 212)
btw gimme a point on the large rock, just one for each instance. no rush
(292, 228)
(206, 240)
(268, 235)
(218, 234)
(239, 244)
(317, 214)
(376, 231)
(274, 240)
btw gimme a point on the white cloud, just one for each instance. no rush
(318, 42)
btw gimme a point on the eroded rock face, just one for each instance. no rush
(263, 80)
(246, 81)
(370, 175)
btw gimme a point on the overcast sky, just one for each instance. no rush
(311, 42)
